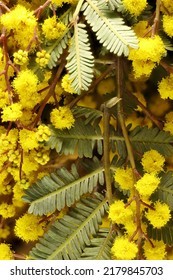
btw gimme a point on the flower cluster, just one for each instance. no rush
(149, 53)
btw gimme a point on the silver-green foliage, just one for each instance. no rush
(69, 235)
(62, 188)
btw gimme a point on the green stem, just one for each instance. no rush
(121, 114)
(130, 155)
(106, 158)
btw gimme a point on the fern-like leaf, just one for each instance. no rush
(100, 247)
(81, 137)
(164, 192)
(58, 46)
(110, 29)
(116, 5)
(165, 234)
(80, 61)
(90, 114)
(61, 188)
(144, 139)
(68, 236)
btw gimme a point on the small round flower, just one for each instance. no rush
(124, 177)
(165, 87)
(4, 232)
(52, 29)
(167, 24)
(43, 133)
(123, 249)
(168, 125)
(152, 161)
(20, 57)
(7, 210)
(135, 7)
(28, 139)
(12, 112)
(118, 213)
(25, 83)
(147, 184)
(160, 216)
(66, 84)
(42, 58)
(158, 252)
(5, 252)
(29, 228)
(62, 118)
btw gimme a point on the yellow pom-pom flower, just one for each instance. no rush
(158, 252)
(123, 249)
(29, 228)
(22, 22)
(135, 7)
(152, 161)
(4, 232)
(7, 210)
(147, 184)
(52, 29)
(28, 139)
(160, 216)
(150, 52)
(167, 24)
(165, 87)
(124, 177)
(66, 84)
(118, 213)
(168, 126)
(62, 118)
(26, 86)
(25, 83)
(5, 252)
(12, 112)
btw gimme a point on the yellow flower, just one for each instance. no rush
(152, 161)
(4, 232)
(157, 252)
(43, 133)
(7, 210)
(124, 177)
(52, 29)
(22, 22)
(27, 139)
(25, 83)
(66, 84)
(168, 126)
(118, 213)
(123, 249)
(62, 118)
(29, 228)
(5, 252)
(165, 87)
(160, 216)
(167, 24)
(106, 86)
(147, 184)
(150, 52)
(42, 58)
(20, 57)
(26, 86)
(135, 7)
(12, 112)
